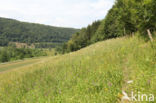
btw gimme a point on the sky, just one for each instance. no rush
(63, 13)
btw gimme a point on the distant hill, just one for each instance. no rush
(23, 32)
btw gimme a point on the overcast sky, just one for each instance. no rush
(64, 13)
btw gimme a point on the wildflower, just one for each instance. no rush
(106, 89)
(110, 84)
(120, 96)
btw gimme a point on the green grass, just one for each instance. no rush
(96, 74)
(17, 64)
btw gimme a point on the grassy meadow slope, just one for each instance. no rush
(96, 74)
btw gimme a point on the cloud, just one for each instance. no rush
(65, 13)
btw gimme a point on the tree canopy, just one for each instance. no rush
(124, 18)
(16, 31)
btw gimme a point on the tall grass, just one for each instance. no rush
(96, 74)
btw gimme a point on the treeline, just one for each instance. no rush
(81, 39)
(16, 31)
(47, 45)
(124, 18)
(11, 53)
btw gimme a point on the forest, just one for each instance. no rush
(125, 18)
(16, 31)
(19, 40)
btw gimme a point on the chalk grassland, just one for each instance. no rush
(96, 74)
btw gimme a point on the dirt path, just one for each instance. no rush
(17, 64)
(126, 79)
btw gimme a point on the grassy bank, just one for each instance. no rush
(96, 74)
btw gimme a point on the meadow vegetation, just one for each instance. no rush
(96, 74)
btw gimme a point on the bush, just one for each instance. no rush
(10, 53)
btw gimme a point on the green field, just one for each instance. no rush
(96, 74)
(18, 64)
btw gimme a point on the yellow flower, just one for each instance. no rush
(106, 89)
(120, 95)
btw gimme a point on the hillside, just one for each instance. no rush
(16, 31)
(96, 74)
